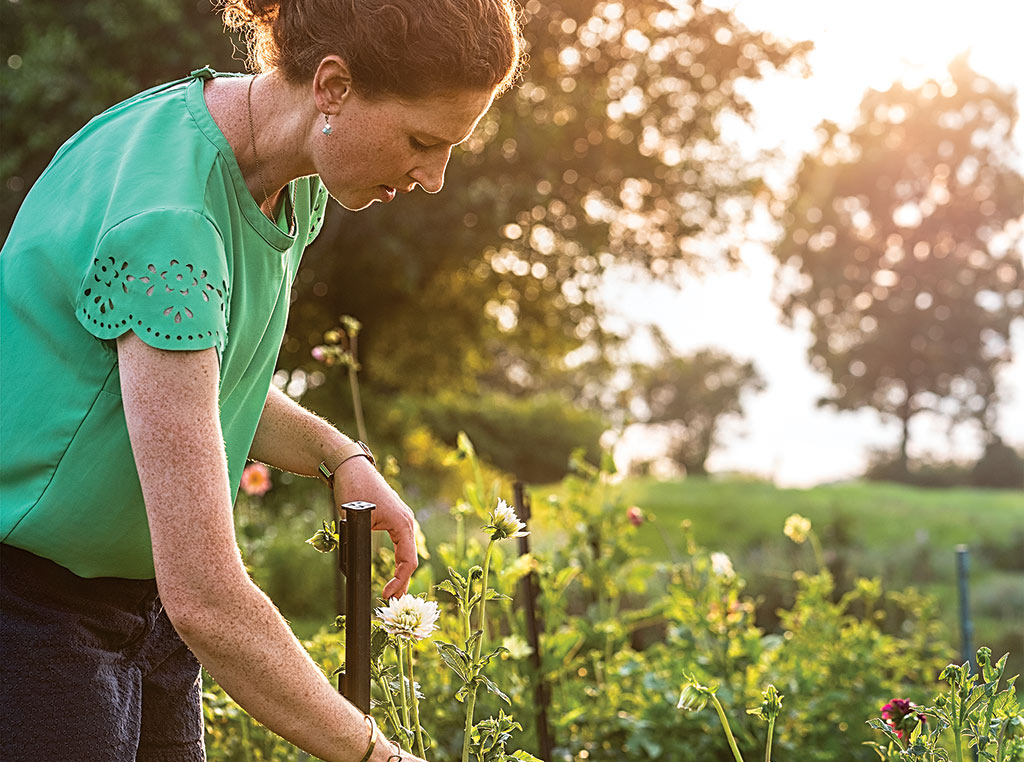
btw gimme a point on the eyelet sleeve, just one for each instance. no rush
(316, 216)
(162, 274)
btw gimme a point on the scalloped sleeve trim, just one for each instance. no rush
(316, 215)
(162, 274)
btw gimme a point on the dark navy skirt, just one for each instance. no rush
(91, 669)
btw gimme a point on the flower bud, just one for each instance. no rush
(771, 706)
(351, 325)
(324, 540)
(692, 699)
(635, 515)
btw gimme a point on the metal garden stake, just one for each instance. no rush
(354, 554)
(528, 586)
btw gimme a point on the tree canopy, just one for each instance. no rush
(690, 396)
(903, 248)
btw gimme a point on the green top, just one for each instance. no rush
(142, 222)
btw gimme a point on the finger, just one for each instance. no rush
(394, 589)
(406, 559)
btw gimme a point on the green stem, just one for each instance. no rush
(357, 403)
(468, 613)
(819, 556)
(475, 667)
(768, 746)
(957, 744)
(725, 726)
(401, 682)
(390, 708)
(482, 622)
(470, 705)
(460, 536)
(415, 707)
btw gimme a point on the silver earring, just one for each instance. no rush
(327, 130)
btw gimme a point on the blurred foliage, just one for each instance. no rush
(64, 63)
(530, 438)
(902, 534)
(621, 628)
(690, 396)
(903, 249)
(999, 466)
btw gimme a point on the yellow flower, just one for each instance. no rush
(797, 528)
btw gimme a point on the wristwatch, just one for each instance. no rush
(330, 464)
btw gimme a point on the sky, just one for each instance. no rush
(784, 436)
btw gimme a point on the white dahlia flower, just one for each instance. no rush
(505, 523)
(409, 617)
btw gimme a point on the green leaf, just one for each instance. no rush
(525, 756)
(493, 688)
(457, 578)
(456, 659)
(485, 660)
(471, 642)
(446, 586)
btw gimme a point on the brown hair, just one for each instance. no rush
(409, 48)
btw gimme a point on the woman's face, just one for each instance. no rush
(379, 148)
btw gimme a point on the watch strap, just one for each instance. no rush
(329, 465)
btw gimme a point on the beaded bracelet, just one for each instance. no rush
(373, 737)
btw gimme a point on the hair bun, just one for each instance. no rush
(242, 14)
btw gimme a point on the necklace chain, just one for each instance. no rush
(255, 153)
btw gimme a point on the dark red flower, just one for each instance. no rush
(902, 716)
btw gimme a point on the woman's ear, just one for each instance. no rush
(332, 84)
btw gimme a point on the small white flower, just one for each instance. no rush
(516, 646)
(722, 565)
(505, 523)
(409, 617)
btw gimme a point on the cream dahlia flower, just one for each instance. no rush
(505, 523)
(409, 617)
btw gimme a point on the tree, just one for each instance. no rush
(690, 396)
(902, 248)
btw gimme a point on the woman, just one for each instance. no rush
(145, 287)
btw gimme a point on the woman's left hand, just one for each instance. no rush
(357, 479)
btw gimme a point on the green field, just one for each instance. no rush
(905, 535)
